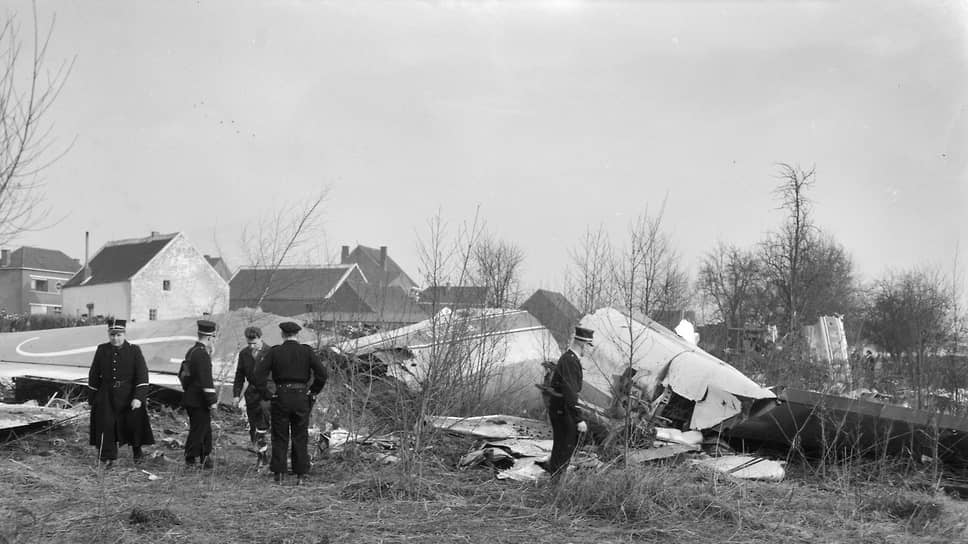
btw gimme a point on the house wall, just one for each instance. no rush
(112, 299)
(11, 290)
(42, 301)
(196, 288)
(16, 293)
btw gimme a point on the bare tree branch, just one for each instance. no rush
(25, 137)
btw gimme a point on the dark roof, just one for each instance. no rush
(290, 283)
(368, 259)
(373, 304)
(43, 259)
(555, 312)
(121, 259)
(451, 295)
(219, 265)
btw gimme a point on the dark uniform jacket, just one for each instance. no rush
(200, 392)
(117, 376)
(567, 382)
(290, 363)
(245, 372)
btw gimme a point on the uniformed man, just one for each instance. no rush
(257, 410)
(117, 388)
(566, 418)
(199, 398)
(299, 376)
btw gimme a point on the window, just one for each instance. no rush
(58, 285)
(152, 315)
(166, 285)
(39, 285)
(309, 307)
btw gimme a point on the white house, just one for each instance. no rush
(162, 276)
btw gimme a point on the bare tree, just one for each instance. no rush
(647, 277)
(729, 276)
(784, 251)
(27, 91)
(497, 267)
(589, 278)
(446, 260)
(276, 237)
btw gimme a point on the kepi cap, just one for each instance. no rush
(584, 335)
(116, 324)
(206, 327)
(289, 327)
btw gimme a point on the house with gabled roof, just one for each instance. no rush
(31, 279)
(377, 266)
(162, 276)
(289, 290)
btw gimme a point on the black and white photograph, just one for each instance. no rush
(424, 271)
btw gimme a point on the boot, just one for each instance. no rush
(137, 454)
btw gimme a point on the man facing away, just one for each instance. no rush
(256, 409)
(117, 387)
(299, 376)
(566, 418)
(199, 398)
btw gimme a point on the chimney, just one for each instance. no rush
(4, 257)
(154, 233)
(344, 257)
(383, 258)
(87, 269)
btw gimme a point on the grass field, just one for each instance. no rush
(51, 491)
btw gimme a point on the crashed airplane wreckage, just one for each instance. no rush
(644, 368)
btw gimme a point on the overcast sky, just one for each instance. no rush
(551, 116)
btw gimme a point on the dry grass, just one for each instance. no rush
(50, 491)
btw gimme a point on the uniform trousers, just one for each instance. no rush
(564, 429)
(199, 442)
(290, 417)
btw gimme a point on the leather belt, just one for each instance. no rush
(290, 386)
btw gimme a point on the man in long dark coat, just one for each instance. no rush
(257, 410)
(299, 376)
(566, 419)
(199, 398)
(117, 390)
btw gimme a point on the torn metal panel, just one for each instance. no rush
(662, 360)
(13, 416)
(746, 467)
(816, 422)
(828, 344)
(72, 375)
(496, 426)
(663, 451)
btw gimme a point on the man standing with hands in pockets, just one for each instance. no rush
(299, 376)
